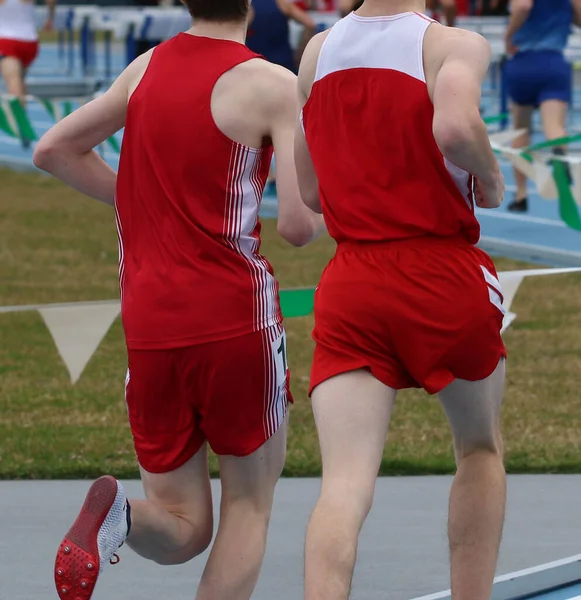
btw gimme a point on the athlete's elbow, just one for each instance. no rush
(45, 154)
(295, 235)
(453, 135)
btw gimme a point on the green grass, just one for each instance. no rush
(56, 246)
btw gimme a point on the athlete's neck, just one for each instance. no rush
(382, 8)
(232, 31)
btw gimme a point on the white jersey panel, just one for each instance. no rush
(18, 20)
(375, 43)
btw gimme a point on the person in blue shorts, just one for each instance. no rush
(537, 73)
(269, 30)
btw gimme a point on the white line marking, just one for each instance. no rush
(522, 218)
(531, 247)
(529, 582)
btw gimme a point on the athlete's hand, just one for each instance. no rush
(510, 48)
(490, 194)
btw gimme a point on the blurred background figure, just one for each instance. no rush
(492, 8)
(143, 45)
(269, 30)
(448, 8)
(19, 41)
(537, 73)
(346, 6)
(269, 35)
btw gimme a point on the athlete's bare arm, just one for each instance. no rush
(296, 223)
(308, 182)
(51, 5)
(456, 63)
(67, 150)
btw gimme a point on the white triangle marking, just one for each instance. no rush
(77, 332)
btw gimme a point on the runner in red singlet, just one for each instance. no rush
(200, 307)
(393, 152)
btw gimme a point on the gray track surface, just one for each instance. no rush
(402, 555)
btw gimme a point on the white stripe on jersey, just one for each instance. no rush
(121, 251)
(244, 193)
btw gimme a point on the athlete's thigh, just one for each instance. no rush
(253, 478)
(352, 413)
(185, 491)
(473, 411)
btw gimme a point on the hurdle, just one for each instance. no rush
(533, 583)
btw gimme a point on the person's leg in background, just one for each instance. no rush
(478, 495)
(13, 72)
(555, 100)
(15, 59)
(248, 486)
(522, 117)
(554, 119)
(352, 413)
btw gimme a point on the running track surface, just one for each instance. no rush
(403, 551)
(539, 236)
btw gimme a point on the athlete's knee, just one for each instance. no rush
(487, 443)
(196, 537)
(348, 496)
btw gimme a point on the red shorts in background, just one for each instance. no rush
(25, 52)
(416, 313)
(233, 394)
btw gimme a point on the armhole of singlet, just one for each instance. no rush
(421, 38)
(320, 57)
(317, 73)
(151, 58)
(248, 58)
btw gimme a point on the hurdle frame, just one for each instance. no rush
(531, 582)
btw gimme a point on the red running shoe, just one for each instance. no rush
(99, 531)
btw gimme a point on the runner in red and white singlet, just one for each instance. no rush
(19, 41)
(392, 150)
(207, 351)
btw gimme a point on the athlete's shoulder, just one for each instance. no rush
(445, 44)
(269, 85)
(453, 39)
(313, 51)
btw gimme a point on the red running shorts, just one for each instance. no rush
(25, 52)
(416, 313)
(233, 394)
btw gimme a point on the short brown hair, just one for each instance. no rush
(218, 10)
